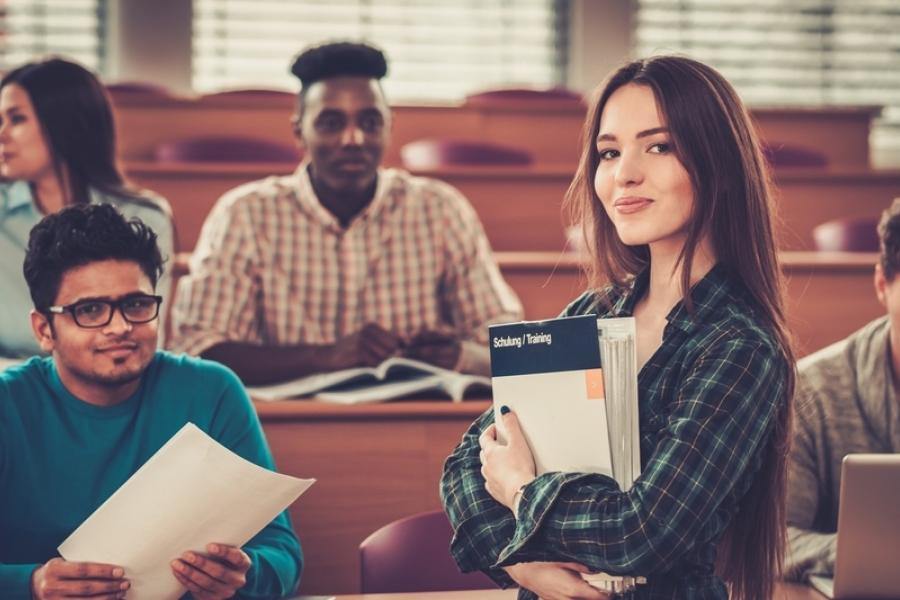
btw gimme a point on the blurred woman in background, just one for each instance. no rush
(57, 148)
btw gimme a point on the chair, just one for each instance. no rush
(849, 234)
(789, 155)
(225, 149)
(251, 94)
(436, 153)
(559, 95)
(133, 89)
(413, 555)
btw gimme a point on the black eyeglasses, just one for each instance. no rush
(98, 313)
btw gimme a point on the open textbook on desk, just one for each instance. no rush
(572, 383)
(396, 377)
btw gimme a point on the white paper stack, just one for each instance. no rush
(192, 492)
(619, 356)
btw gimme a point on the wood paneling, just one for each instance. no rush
(373, 465)
(829, 295)
(521, 208)
(549, 130)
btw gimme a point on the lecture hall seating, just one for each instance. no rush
(378, 463)
(548, 130)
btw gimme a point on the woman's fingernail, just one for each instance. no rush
(504, 409)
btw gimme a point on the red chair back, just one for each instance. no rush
(225, 149)
(413, 555)
(436, 153)
(856, 234)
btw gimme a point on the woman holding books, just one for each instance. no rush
(673, 195)
(57, 147)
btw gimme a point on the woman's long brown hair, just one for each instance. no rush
(714, 139)
(76, 118)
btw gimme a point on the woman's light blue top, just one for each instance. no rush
(18, 214)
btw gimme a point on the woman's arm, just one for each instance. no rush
(482, 526)
(714, 427)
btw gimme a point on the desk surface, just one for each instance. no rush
(784, 591)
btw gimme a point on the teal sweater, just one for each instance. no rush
(60, 458)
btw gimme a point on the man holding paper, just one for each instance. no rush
(76, 425)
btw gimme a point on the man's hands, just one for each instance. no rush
(215, 576)
(58, 579)
(505, 468)
(555, 580)
(438, 348)
(365, 348)
(373, 344)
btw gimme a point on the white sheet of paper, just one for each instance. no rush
(192, 492)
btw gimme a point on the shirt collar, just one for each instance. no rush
(18, 194)
(310, 201)
(705, 296)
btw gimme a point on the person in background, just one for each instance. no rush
(75, 425)
(344, 263)
(672, 193)
(57, 148)
(846, 403)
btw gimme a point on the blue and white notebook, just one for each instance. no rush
(572, 383)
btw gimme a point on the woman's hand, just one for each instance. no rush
(505, 468)
(555, 580)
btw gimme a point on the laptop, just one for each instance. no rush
(868, 541)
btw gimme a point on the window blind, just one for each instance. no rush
(436, 50)
(31, 29)
(803, 52)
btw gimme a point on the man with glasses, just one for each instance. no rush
(75, 425)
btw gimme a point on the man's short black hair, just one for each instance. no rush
(338, 59)
(82, 234)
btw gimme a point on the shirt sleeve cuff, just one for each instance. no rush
(15, 581)
(537, 500)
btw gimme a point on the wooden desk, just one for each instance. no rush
(374, 464)
(830, 295)
(521, 207)
(784, 591)
(807, 197)
(549, 130)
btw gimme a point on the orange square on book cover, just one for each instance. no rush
(593, 381)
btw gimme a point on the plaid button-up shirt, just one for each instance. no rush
(708, 399)
(273, 266)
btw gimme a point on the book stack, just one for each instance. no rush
(572, 383)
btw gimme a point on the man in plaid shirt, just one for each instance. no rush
(343, 263)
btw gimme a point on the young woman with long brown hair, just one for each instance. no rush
(674, 198)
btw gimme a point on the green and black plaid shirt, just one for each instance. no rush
(708, 398)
